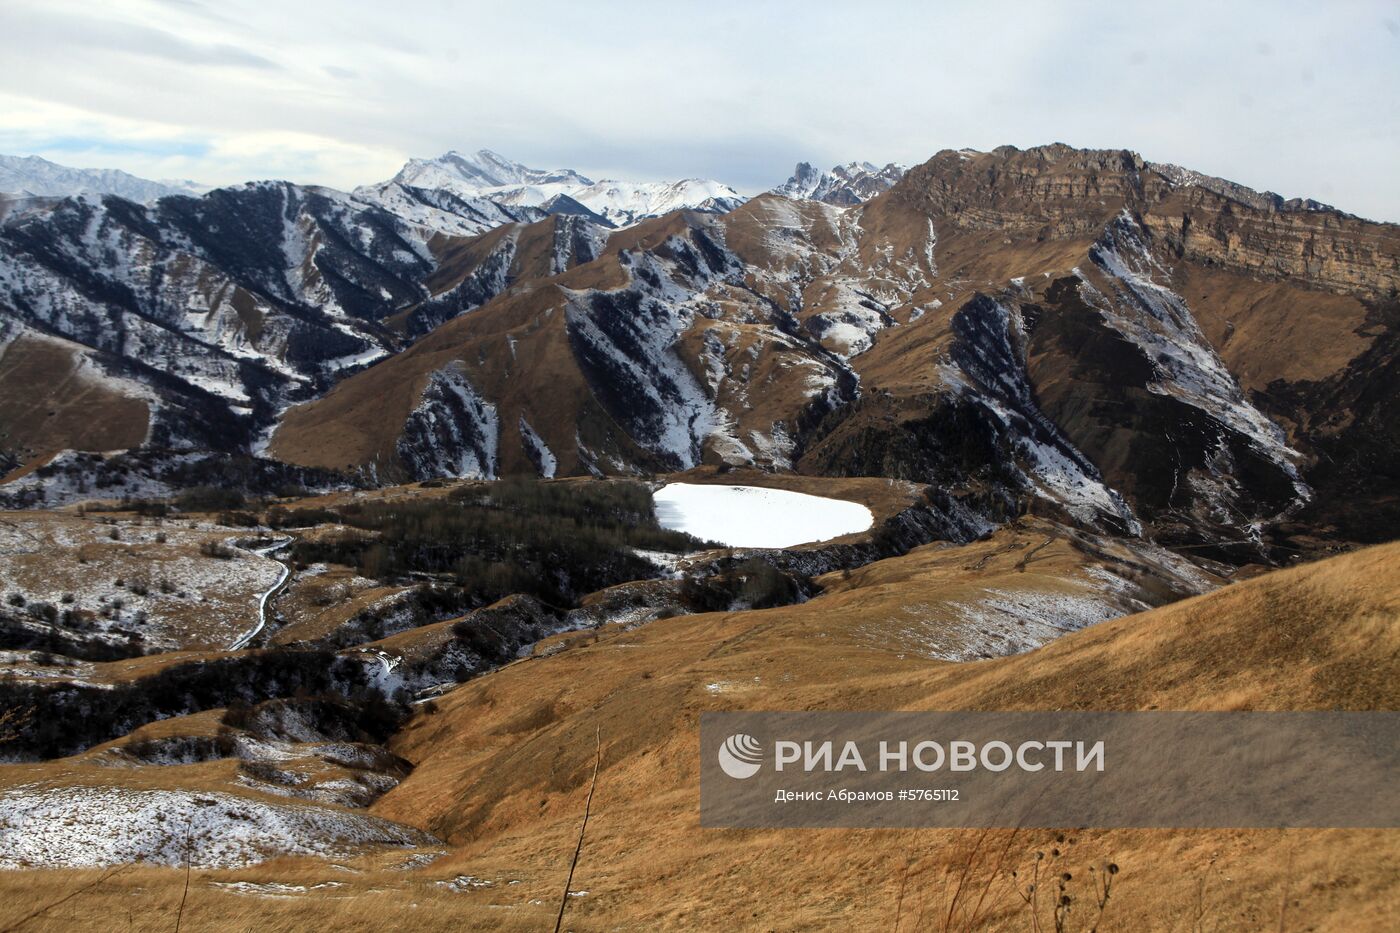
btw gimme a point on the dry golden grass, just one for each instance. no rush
(503, 767)
(373, 900)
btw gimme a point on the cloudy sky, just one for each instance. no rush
(1300, 98)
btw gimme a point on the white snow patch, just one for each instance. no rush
(751, 516)
(541, 454)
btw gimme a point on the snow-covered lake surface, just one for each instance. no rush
(751, 516)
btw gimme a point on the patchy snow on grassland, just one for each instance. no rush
(152, 582)
(750, 516)
(1001, 621)
(56, 827)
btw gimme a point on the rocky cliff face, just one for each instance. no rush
(1056, 192)
(1315, 245)
(1044, 193)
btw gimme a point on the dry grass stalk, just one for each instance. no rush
(587, 807)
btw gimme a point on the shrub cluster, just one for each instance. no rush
(70, 718)
(553, 541)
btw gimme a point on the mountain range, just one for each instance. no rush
(845, 185)
(1127, 342)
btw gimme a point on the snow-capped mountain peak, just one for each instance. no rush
(512, 185)
(843, 185)
(32, 175)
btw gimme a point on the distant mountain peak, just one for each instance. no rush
(492, 176)
(843, 185)
(33, 175)
(480, 173)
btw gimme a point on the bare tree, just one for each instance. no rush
(13, 721)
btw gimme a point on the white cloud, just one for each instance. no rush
(73, 136)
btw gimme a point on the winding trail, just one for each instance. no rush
(242, 640)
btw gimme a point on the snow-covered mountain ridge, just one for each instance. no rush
(1136, 346)
(33, 176)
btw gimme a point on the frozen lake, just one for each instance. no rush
(751, 516)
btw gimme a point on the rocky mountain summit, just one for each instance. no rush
(844, 185)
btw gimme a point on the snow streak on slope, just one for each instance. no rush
(1158, 321)
(537, 450)
(452, 432)
(752, 516)
(822, 267)
(1001, 621)
(988, 354)
(625, 341)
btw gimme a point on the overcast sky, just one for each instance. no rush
(1299, 98)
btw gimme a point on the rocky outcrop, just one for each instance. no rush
(844, 185)
(1315, 245)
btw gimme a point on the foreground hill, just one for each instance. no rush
(502, 768)
(481, 829)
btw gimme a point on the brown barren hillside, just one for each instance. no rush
(502, 768)
(52, 398)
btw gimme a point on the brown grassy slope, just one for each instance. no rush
(360, 420)
(503, 767)
(48, 403)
